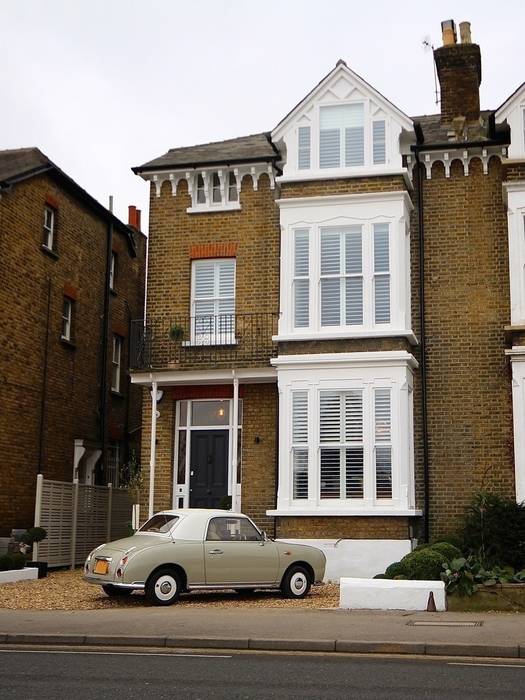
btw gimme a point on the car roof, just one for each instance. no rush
(193, 521)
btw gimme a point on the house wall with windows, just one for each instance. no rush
(52, 309)
(388, 241)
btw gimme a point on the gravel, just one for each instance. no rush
(66, 590)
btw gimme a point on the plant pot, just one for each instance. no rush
(40, 565)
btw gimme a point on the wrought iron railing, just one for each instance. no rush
(184, 342)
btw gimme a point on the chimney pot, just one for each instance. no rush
(464, 33)
(448, 31)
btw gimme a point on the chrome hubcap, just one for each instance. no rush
(298, 583)
(165, 587)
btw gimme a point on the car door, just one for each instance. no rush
(235, 553)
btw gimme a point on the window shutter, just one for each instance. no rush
(354, 467)
(330, 286)
(300, 437)
(301, 282)
(354, 416)
(330, 473)
(379, 142)
(303, 138)
(300, 417)
(226, 286)
(383, 434)
(300, 473)
(330, 417)
(329, 148)
(204, 288)
(381, 273)
(354, 285)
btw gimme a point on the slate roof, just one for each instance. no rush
(244, 149)
(434, 132)
(20, 161)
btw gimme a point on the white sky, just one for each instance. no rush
(102, 85)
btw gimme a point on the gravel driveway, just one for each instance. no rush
(66, 590)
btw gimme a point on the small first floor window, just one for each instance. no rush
(113, 270)
(48, 239)
(67, 319)
(116, 363)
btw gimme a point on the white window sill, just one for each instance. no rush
(344, 334)
(350, 512)
(210, 208)
(212, 342)
(334, 173)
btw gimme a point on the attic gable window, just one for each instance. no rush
(341, 136)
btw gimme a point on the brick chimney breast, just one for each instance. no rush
(459, 72)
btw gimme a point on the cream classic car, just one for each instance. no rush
(180, 550)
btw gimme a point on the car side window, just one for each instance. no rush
(232, 530)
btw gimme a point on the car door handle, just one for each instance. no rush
(215, 551)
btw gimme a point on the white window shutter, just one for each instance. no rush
(353, 401)
(330, 473)
(300, 417)
(303, 147)
(301, 283)
(381, 273)
(383, 436)
(379, 142)
(300, 438)
(330, 417)
(354, 472)
(354, 284)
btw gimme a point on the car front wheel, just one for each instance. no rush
(163, 587)
(296, 582)
(115, 591)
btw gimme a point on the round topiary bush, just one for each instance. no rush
(395, 569)
(423, 565)
(5, 562)
(447, 550)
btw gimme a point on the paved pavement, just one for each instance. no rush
(499, 634)
(92, 675)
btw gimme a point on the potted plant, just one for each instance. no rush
(27, 540)
(176, 332)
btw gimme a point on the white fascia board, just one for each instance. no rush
(362, 197)
(346, 335)
(325, 512)
(407, 123)
(517, 96)
(177, 377)
(347, 174)
(385, 358)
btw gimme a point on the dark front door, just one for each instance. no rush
(208, 468)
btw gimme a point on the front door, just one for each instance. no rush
(208, 468)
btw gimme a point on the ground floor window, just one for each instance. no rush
(346, 433)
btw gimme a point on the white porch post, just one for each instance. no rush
(152, 447)
(235, 437)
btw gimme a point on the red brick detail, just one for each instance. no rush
(119, 328)
(70, 291)
(52, 201)
(213, 250)
(216, 391)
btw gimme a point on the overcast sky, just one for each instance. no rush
(102, 85)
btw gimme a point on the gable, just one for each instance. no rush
(513, 112)
(324, 109)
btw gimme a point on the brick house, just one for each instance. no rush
(72, 275)
(330, 312)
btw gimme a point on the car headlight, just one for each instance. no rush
(122, 563)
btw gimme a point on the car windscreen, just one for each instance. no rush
(161, 523)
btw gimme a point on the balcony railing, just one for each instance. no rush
(204, 341)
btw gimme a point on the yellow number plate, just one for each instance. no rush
(101, 566)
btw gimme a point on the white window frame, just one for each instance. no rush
(217, 336)
(67, 319)
(219, 191)
(112, 271)
(49, 228)
(116, 362)
(515, 196)
(340, 212)
(340, 373)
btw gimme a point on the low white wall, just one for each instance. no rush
(385, 594)
(358, 558)
(18, 575)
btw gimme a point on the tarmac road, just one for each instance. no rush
(81, 675)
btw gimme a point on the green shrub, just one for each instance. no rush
(5, 562)
(380, 576)
(423, 565)
(18, 561)
(395, 569)
(448, 551)
(494, 530)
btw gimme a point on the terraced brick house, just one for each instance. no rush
(72, 277)
(331, 312)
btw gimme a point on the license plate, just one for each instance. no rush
(101, 566)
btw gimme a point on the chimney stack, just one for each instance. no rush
(459, 72)
(134, 217)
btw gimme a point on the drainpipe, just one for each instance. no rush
(105, 340)
(44, 382)
(235, 422)
(153, 446)
(422, 339)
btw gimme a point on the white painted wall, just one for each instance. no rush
(357, 558)
(383, 594)
(18, 575)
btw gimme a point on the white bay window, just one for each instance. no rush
(346, 434)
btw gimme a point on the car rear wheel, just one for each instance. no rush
(115, 591)
(296, 582)
(164, 587)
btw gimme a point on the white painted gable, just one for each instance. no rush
(341, 87)
(513, 110)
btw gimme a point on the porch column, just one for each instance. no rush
(153, 446)
(235, 437)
